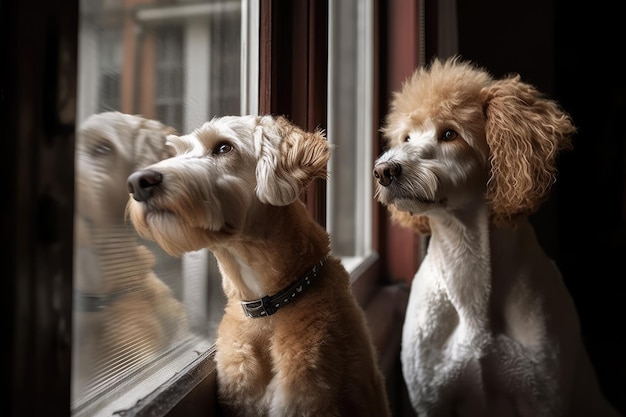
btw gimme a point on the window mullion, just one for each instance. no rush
(293, 72)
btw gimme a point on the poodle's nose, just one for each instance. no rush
(141, 184)
(385, 172)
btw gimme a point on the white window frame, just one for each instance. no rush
(363, 254)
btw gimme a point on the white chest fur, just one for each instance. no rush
(474, 341)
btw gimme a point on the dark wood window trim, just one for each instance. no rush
(401, 54)
(293, 77)
(38, 108)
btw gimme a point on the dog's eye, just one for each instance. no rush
(223, 148)
(407, 138)
(101, 149)
(449, 135)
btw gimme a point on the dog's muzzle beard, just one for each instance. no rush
(154, 222)
(163, 211)
(392, 182)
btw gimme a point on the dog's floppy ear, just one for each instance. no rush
(149, 142)
(290, 159)
(524, 131)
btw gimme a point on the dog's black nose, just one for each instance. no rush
(141, 184)
(385, 172)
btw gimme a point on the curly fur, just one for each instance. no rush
(234, 187)
(520, 130)
(490, 328)
(525, 133)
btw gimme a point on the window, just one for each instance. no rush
(141, 316)
(170, 76)
(350, 125)
(109, 69)
(165, 61)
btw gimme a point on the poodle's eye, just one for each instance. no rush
(448, 135)
(407, 138)
(222, 148)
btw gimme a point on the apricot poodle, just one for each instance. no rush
(490, 328)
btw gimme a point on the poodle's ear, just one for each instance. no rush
(416, 223)
(524, 131)
(290, 159)
(150, 142)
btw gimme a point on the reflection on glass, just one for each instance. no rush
(124, 313)
(146, 69)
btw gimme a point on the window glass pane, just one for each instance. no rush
(349, 129)
(146, 69)
(109, 40)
